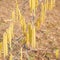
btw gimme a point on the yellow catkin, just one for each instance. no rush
(54, 1)
(30, 32)
(22, 22)
(33, 5)
(30, 3)
(52, 4)
(9, 38)
(33, 37)
(21, 57)
(38, 23)
(46, 5)
(27, 39)
(36, 3)
(24, 26)
(13, 16)
(17, 8)
(5, 45)
(11, 27)
(57, 53)
(11, 57)
(41, 19)
(42, 13)
(1, 46)
(10, 33)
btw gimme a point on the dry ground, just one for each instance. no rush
(48, 37)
